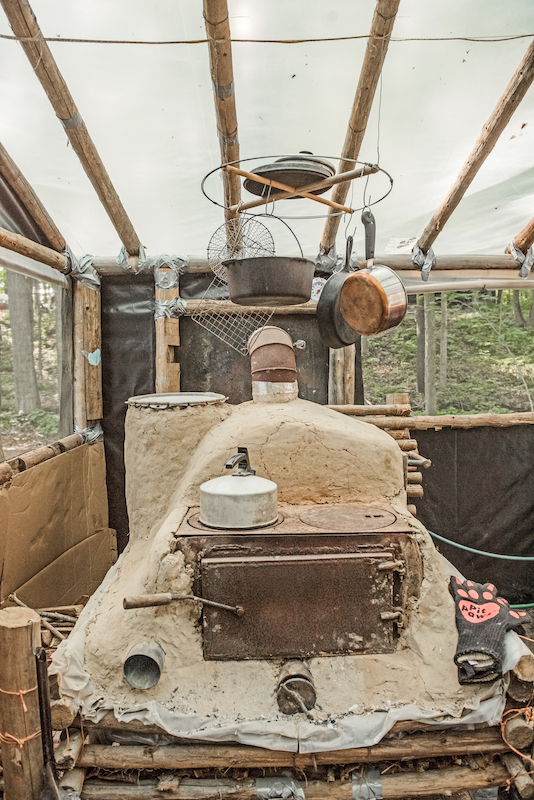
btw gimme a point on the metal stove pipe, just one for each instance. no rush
(273, 366)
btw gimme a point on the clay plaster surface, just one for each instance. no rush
(315, 455)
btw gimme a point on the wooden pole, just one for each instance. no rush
(498, 120)
(167, 343)
(368, 169)
(390, 409)
(25, 26)
(20, 724)
(336, 366)
(443, 343)
(87, 356)
(26, 247)
(377, 45)
(451, 421)
(65, 358)
(419, 314)
(430, 354)
(216, 18)
(399, 785)
(525, 237)
(29, 199)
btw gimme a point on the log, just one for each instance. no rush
(29, 199)
(285, 188)
(519, 775)
(74, 779)
(375, 53)
(216, 18)
(20, 724)
(87, 356)
(389, 410)
(499, 118)
(524, 669)
(227, 307)
(456, 264)
(521, 691)
(361, 172)
(525, 237)
(518, 732)
(167, 342)
(25, 26)
(26, 247)
(454, 421)
(407, 445)
(68, 751)
(65, 358)
(199, 756)
(54, 631)
(414, 491)
(415, 477)
(404, 434)
(6, 472)
(37, 456)
(62, 713)
(412, 509)
(406, 784)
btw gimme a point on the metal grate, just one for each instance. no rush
(233, 328)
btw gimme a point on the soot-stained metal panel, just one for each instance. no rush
(298, 606)
(210, 365)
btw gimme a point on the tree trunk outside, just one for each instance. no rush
(443, 343)
(430, 355)
(518, 314)
(420, 333)
(530, 320)
(19, 290)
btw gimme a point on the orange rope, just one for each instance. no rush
(21, 694)
(8, 738)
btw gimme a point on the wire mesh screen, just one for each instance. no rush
(232, 327)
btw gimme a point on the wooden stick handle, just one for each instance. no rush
(342, 177)
(285, 188)
(147, 600)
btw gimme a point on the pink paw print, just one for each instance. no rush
(478, 603)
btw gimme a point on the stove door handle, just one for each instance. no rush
(164, 598)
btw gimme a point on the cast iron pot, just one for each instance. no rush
(269, 280)
(334, 329)
(374, 299)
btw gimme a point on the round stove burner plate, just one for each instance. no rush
(195, 522)
(355, 519)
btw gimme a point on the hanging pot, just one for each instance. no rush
(297, 171)
(269, 280)
(335, 331)
(373, 299)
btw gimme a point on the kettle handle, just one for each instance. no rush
(241, 458)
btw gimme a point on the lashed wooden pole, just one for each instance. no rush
(29, 199)
(498, 120)
(25, 27)
(525, 237)
(377, 45)
(222, 75)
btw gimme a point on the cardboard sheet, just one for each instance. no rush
(55, 542)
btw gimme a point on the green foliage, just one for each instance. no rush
(489, 358)
(44, 422)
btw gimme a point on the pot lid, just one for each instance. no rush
(296, 171)
(238, 486)
(176, 399)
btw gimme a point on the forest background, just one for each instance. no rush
(480, 346)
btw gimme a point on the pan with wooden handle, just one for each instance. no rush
(336, 331)
(374, 299)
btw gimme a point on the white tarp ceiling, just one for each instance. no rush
(150, 111)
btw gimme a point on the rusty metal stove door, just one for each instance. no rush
(299, 605)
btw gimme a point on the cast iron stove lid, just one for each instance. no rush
(174, 399)
(348, 519)
(296, 171)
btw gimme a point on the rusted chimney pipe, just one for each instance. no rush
(273, 367)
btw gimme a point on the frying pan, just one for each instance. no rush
(372, 299)
(334, 329)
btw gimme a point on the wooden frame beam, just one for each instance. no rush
(525, 237)
(222, 75)
(377, 46)
(25, 27)
(29, 199)
(498, 120)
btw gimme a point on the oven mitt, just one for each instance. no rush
(482, 620)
